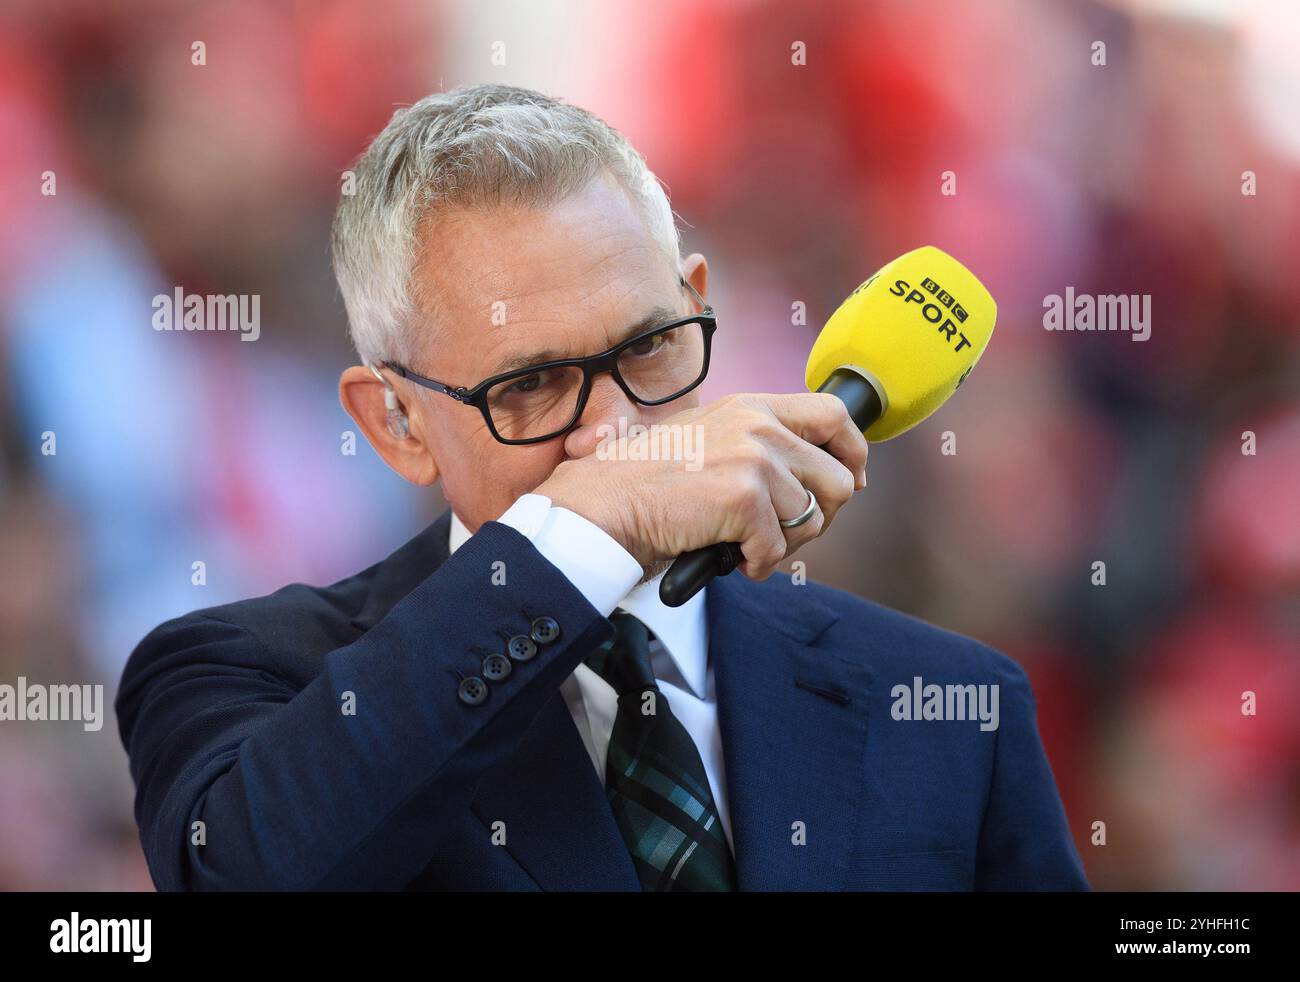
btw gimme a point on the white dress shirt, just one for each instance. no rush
(606, 574)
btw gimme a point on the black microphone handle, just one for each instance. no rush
(691, 571)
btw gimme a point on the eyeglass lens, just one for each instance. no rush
(545, 402)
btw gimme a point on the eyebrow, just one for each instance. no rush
(659, 315)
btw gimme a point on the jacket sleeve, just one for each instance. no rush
(294, 793)
(1025, 841)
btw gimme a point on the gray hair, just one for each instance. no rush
(472, 146)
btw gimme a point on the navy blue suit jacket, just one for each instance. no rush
(233, 717)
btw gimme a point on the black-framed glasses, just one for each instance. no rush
(540, 402)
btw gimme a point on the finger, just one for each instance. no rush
(764, 545)
(803, 534)
(818, 471)
(787, 491)
(814, 468)
(823, 420)
(768, 546)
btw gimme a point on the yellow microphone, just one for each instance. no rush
(894, 351)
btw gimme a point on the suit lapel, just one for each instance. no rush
(559, 826)
(794, 727)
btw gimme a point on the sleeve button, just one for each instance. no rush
(521, 647)
(473, 691)
(545, 630)
(496, 667)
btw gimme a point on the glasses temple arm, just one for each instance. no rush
(694, 292)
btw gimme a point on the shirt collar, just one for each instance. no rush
(683, 630)
(459, 533)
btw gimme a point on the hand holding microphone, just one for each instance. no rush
(760, 452)
(892, 353)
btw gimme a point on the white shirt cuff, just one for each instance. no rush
(588, 556)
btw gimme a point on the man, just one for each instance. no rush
(504, 702)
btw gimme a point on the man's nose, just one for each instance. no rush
(606, 405)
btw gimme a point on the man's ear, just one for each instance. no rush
(696, 270)
(362, 395)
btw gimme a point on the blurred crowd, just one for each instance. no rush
(803, 145)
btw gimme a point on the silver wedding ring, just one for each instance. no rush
(807, 513)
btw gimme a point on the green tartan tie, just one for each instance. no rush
(654, 778)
